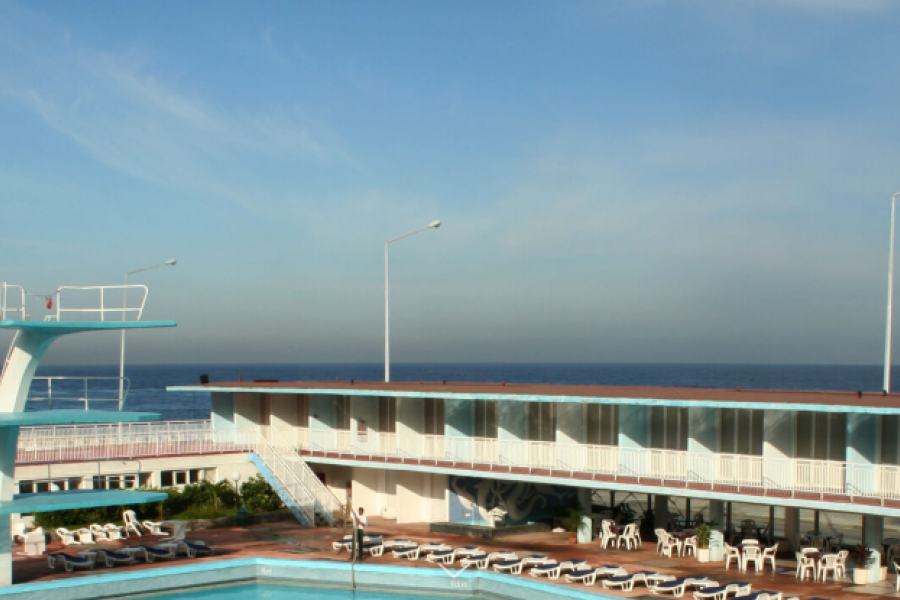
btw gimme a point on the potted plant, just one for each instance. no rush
(703, 531)
(575, 515)
(863, 560)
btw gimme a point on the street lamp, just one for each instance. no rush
(890, 301)
(169, 263)
(387, 327)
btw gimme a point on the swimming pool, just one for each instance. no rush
(320, 580)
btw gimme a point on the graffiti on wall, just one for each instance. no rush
(471, 499)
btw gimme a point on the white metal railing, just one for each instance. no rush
(12, 301)
(102, 302)
(78, 389)
(722, 472)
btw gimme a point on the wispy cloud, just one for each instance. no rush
(124, 110)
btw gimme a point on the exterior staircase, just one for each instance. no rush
(295, 483)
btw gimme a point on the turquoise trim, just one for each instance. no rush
(50, 501)
(289, 501)
(783, 406)
(434, 582)
(65, 327)
(862, 509)
(70, 417)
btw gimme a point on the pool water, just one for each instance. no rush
(274, 591)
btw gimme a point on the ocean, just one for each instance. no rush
(148, 382)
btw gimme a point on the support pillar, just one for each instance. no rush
(661, 512)
(792, 527)
(873, 536)
(584, 505)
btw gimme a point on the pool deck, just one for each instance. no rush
(287, 539)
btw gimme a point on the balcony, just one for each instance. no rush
(726, 474)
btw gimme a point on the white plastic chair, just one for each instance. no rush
(35, 542)
(132, 525)
(829, 562)
(18, 531)
(671, 545)
(804, 564)
(843, 555)
(607, 534)
(751, 554)
(113, 531)
(689, 544)
(769, 555)
(99, 532)
(731, 553)
(85, 536)
(661, 536)
(628, 538)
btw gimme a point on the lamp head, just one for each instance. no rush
(435, 224)
(171, 262)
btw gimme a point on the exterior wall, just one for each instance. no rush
(337, 478)
(421, 497)
(778, 442)
(246, 410)
(703, 437)
(634, 426)
(459, 423)
(321, 411)
(862, 449)
(512, 421)
(222, 411)
(410, 416)
(364, 410)
(571, 425)
(284, 411)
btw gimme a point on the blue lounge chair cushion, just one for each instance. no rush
(508, 563)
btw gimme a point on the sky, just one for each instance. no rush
(641, 181)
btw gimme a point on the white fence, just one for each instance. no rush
(721, 472)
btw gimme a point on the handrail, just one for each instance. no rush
(85, 396)
(288, 477)
(6, 304)
(323, 496)
(101, 305)
(729, 473)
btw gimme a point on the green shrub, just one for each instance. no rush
(259, 496)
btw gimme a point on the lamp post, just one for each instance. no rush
(387, 312)
(890, 302)
(169, 263)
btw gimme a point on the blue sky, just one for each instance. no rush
(687, 181)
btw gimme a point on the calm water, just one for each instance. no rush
(269, 591)
(148, 382)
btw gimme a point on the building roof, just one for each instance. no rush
(827, 401)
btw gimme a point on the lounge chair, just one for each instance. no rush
(482, 560)
(447, 556)
(343, 543)
(515, 566)
(151, 553)
(764, 595)
(678, 586)
(192, 549)
(588, 576)
(410, 552)
(626, 582)
(99, 532)
(71, 562)
(68, 538)
(738, 588)
(391, 544)
(153, 527)
(112, 558)
(374, 548)
(554, 570)
(114, 532)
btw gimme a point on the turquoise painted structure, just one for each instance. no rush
(289, 502)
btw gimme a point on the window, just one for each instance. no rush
(434, 416)
(890, 449)
(602, 421)
(741, 431)
(485, 418)
(668, 427)
(387, 415)
(54, 485)
(342, 412)
(181, 478)
(821, 436)
(115, 482)
(542, 421)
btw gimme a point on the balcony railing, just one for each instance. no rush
(727, 473)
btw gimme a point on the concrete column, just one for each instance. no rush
(717, 514)
(222, 410)
(778, 446)
(459, 426)
(873, 535)
(584, 505)
(703, 442)
(661, 512)
(634, 430)
(862, 452)
(410, 425)
(792, 527)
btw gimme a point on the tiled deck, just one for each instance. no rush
(287, 539)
